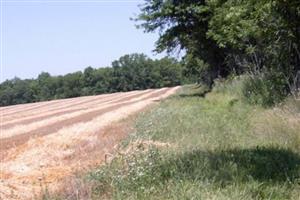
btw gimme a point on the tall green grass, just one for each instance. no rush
(220, 148)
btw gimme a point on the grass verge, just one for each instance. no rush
(205, 146)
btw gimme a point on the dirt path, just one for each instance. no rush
(71, 135)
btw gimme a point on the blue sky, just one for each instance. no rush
(61, 37)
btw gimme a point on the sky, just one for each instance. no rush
(65, 36)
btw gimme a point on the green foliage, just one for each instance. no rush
(262, 35)
(196, 69)
(183, 25)
(148, 174)
(221, 37)
(17, 91)
(135, 172)
(265, 90)
(130, 72)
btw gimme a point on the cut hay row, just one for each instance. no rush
(22, 117)
(37, 108)
(50, 104)
(67, 108)
(26, 117)
(27, 107)
(26, 128)
(22, 138)
(50, 157)
(31, 106)
(62, 105)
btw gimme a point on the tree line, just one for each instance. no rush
(222, 38)
(130, 72)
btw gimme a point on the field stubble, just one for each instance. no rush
(48, 158)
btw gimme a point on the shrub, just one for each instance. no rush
(265, 89)
(232, 85)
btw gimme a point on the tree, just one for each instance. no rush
(183, 25)
(259, 37)
(263, 37)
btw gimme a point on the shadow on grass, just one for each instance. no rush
(236, 165)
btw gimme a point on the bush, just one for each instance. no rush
(265, 89)
(232, 85)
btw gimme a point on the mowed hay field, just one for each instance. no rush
(41, 143)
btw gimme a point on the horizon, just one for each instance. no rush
(61, 37)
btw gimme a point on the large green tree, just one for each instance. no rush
(183, 25)
(263, 36)
(260, 37)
